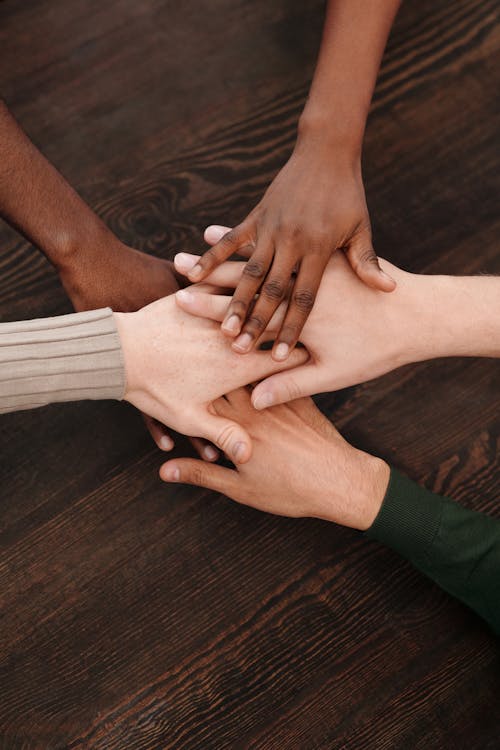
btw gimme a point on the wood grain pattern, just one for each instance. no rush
(135, 615)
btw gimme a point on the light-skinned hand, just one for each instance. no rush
(117, 276)
(300, 466)
(353, 334)
(176, 365)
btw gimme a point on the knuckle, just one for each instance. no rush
(321, 238)
(197, 476)
(304, 299)
(290, 232)
(318, 242)
(224, 437)
(208, 258)
(292, 390)
(256, 323)
(274, 290)
(230, 238)
(254, 269)
(238, 307)
(367, 257)
(370, 257)
(289, 333)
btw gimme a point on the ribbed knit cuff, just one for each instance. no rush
(408, 519)
(66, 358)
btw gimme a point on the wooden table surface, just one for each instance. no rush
(136, 615)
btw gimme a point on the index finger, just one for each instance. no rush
(214, 256)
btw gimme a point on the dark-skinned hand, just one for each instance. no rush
(315, 206)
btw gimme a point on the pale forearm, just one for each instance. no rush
(446, 316)
(467, 316)
(354, 37)
(37, 201)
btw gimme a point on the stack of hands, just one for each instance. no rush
(185, 372)
(314, 280)
(179, 366)
(193, 357)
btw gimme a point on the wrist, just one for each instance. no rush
(410, 317)
(355, 497)
(322, 129)
(374, 480)
(84, 243)
(130, 340)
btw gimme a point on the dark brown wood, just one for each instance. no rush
(135, 615)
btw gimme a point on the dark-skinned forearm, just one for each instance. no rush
(354, 37)
(37, 201)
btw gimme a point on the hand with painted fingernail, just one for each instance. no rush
(176, 365)
(315, 206)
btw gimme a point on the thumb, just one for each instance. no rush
(230, 437)
(287, 386)
(193, 471)
(364, 262)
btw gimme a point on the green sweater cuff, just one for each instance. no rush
(408, 519)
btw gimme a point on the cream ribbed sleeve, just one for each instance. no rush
(67, 358)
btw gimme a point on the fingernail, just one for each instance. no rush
(281, 351)
(243, 342)
(195, 272)
(263, 401)
(216, 231)
(210, 453)
(184, 296)
(166, 443)
(173, 475)
(239, 451)
(184, 262)
(232, 324)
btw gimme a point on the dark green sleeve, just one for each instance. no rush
(458, 548)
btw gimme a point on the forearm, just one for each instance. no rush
(446, 316)
(66, 358)
(457, 548)
(354, 37)
(465, 317)
(37, 201)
